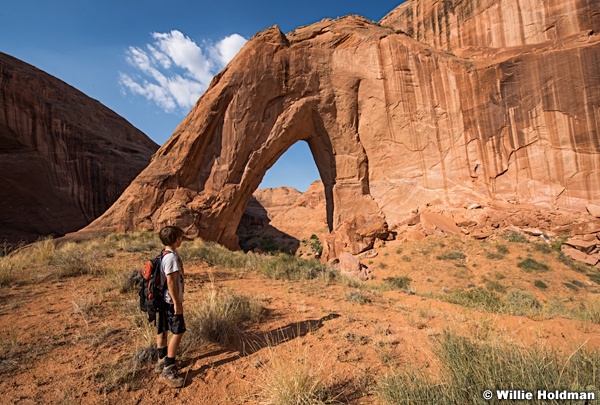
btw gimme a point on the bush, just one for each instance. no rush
(530, 265)
(520, 302)
(315, 245)
(479, 298)
(397, 283)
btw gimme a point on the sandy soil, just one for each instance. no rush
(68, 341)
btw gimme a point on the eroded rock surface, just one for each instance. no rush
(64, 158)
(476, 101)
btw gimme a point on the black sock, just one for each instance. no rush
(162, 352)
(169, 361)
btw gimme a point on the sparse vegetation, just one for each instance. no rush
(514, 237)
(287, 267)
(468, 367)
(218, 316)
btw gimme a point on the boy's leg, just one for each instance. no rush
(161, 341)
(174, 345)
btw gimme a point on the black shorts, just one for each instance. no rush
(168, 321)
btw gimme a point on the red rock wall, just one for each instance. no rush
(64, 157)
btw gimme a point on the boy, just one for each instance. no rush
(170, 316)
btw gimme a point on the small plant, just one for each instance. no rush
(495, 286)
(540, 284)
(514, 237)
(359, 298)
(397, 283)
(315, 245)
(501, 251)
(451, 256)
(520, 302)
(479, 298)
(530, 265)
(543, 247)
(405, 259)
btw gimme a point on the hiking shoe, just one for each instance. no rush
(160, 365)
(171, 377)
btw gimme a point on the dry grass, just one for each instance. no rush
(469, 367)
(303, 380)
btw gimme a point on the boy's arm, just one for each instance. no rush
(173, 288)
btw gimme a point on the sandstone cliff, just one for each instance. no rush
(451, 101)
(64, 157)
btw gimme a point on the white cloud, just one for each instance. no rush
(174, 71)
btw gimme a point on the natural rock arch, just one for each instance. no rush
(392, 122)
(203, 177)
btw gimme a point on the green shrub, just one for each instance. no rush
(530, 265)
(397, 283)
(478, 298)
(540, 284)
(315, 245)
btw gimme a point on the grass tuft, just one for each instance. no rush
(531, 265)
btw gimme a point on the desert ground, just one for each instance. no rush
(73, 332)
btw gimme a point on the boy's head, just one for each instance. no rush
(170, 234)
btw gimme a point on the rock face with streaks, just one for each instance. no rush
(450, 101)
(64, 157)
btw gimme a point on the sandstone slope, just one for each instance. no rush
(64, 157)
(479, 100)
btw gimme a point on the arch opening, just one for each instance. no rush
(290, 210)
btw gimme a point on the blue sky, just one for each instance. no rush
(149, 60)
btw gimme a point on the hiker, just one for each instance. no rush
(170, 314)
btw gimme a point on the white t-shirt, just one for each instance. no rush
(171, 263)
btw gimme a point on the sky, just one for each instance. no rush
(150, 60)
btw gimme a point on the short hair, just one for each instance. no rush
(169, 235)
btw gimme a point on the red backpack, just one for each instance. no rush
(151, 289)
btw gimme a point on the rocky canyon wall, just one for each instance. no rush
(64, 157)
(393, 119)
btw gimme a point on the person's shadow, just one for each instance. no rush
(250, 343)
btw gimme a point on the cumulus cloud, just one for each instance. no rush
(173, 71)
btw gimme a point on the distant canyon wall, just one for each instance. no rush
(393, 119)
(64, 157)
